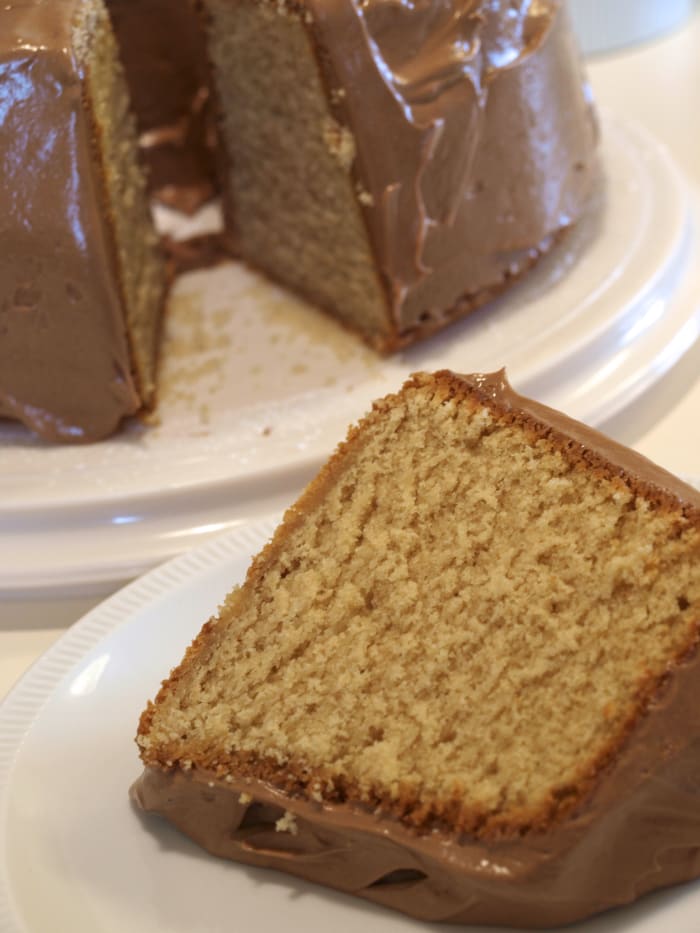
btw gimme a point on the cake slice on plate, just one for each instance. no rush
(462, 679)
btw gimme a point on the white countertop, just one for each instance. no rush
(657, 85)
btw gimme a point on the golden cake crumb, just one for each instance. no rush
(460, 621)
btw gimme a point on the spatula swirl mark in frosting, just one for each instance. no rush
(430, 67)
(432, 54)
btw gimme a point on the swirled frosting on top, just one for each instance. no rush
(474, 131)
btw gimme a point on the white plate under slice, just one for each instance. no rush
(257, 388)
(74, 855)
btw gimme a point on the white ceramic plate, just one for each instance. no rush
(256, 388)
(74, 855)
(603, 25)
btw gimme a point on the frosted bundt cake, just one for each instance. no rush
(461, 680)
(82, 281)
(399, 164)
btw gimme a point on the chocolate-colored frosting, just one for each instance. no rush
(639, 830)
(198, 252)
(474, 132)
(64, 358)
(163, 51)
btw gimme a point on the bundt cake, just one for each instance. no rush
(462, 678)
(397, 164)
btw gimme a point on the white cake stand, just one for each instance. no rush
(256, 388)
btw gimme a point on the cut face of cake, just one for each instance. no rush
(399, 164)
(461, 680)
(82, 281)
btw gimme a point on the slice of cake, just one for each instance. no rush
(462, 680)
(81, 276)
(399, 164)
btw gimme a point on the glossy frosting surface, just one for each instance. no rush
(445, 100)
(64, 359)
(475, 137)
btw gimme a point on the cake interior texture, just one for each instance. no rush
(136, 243)
(294, 212)
(459, 623)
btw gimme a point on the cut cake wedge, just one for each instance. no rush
(462, 679)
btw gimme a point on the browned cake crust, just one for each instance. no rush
(477, 860)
